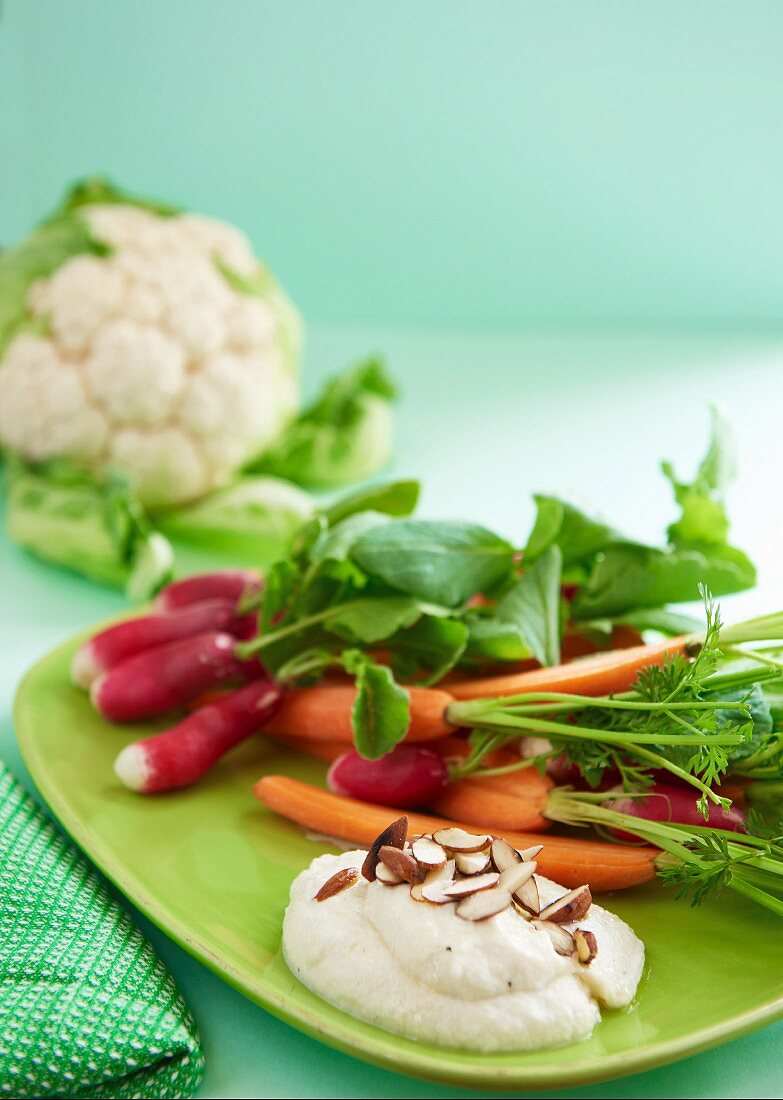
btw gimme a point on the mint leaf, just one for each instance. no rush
(440, 562)
(381, 713)
(533, 607)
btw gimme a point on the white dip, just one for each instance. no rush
(420, 970)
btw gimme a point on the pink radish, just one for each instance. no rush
(671, 802)
(224, 584)
(407, 777)
(183, 754)
(166, 677)
(116, 643)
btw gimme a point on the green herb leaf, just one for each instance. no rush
(395, 498)
(278, 589)
(533, 606)
(578, 535)
(631, 576)
(373, 620)
(703, 519)
(441, 562)
(490, 640)
(381, 712)
(432, 644)
(336, 543)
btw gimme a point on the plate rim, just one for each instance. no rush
(338, 1036)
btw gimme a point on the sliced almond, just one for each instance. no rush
(571, 906)
(531, 853)
(562, 940)
(428, 852)
(443, 875)
(457, 840)
(526, 899)
(340, 881)
(388, 877)
(393, 836)
(484, 904)
(586, 945)
(472, 863)
(402, 863)
(464, 887)
(503, 854)
(514, 878)
(435, 892)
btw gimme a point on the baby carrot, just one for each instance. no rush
(498, 803)
(600, 674)
(571, 862)
(323, 713)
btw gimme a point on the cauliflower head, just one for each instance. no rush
(156, 346)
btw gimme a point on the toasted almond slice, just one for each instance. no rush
(388, 877)
(562, 940)
(571, 906)
(586, 945)
(402, 863)
(435, 892)
(455, 839)
(527, 900)
(340, 881)
(530, 853)
(393, 836)
(484, 904)
(514, 878)
(443, 874)
(472, 863)
(464, 887)
(428, 852)
(503, 855)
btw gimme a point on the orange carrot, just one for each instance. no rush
(568, 861)
(600, 674)
(500, 802)
(323, 713)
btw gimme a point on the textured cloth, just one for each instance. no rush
(86, 1008)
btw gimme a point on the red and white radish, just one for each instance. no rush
(224, 584)
(181, 755)
(126, 639)
(407, 777)
(675, 804)
(167, 677)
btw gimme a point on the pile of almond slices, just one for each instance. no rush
(482, 875)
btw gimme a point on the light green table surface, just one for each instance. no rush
(485, 420)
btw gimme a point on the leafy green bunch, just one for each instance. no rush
(367, 581)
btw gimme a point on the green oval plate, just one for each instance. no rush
(212, 868)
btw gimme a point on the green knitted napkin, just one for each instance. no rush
(86, 1008)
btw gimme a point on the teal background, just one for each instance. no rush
(562, 222)
(429, 161)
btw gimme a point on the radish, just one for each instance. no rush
(181, 755)
(676, 804)
(407, 777)
(225, 584)
(167, 677)
(116, 643)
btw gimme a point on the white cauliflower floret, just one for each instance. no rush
(162, 464)
(152, 362)
(80, 296)
(136, 372)
(43, 411)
